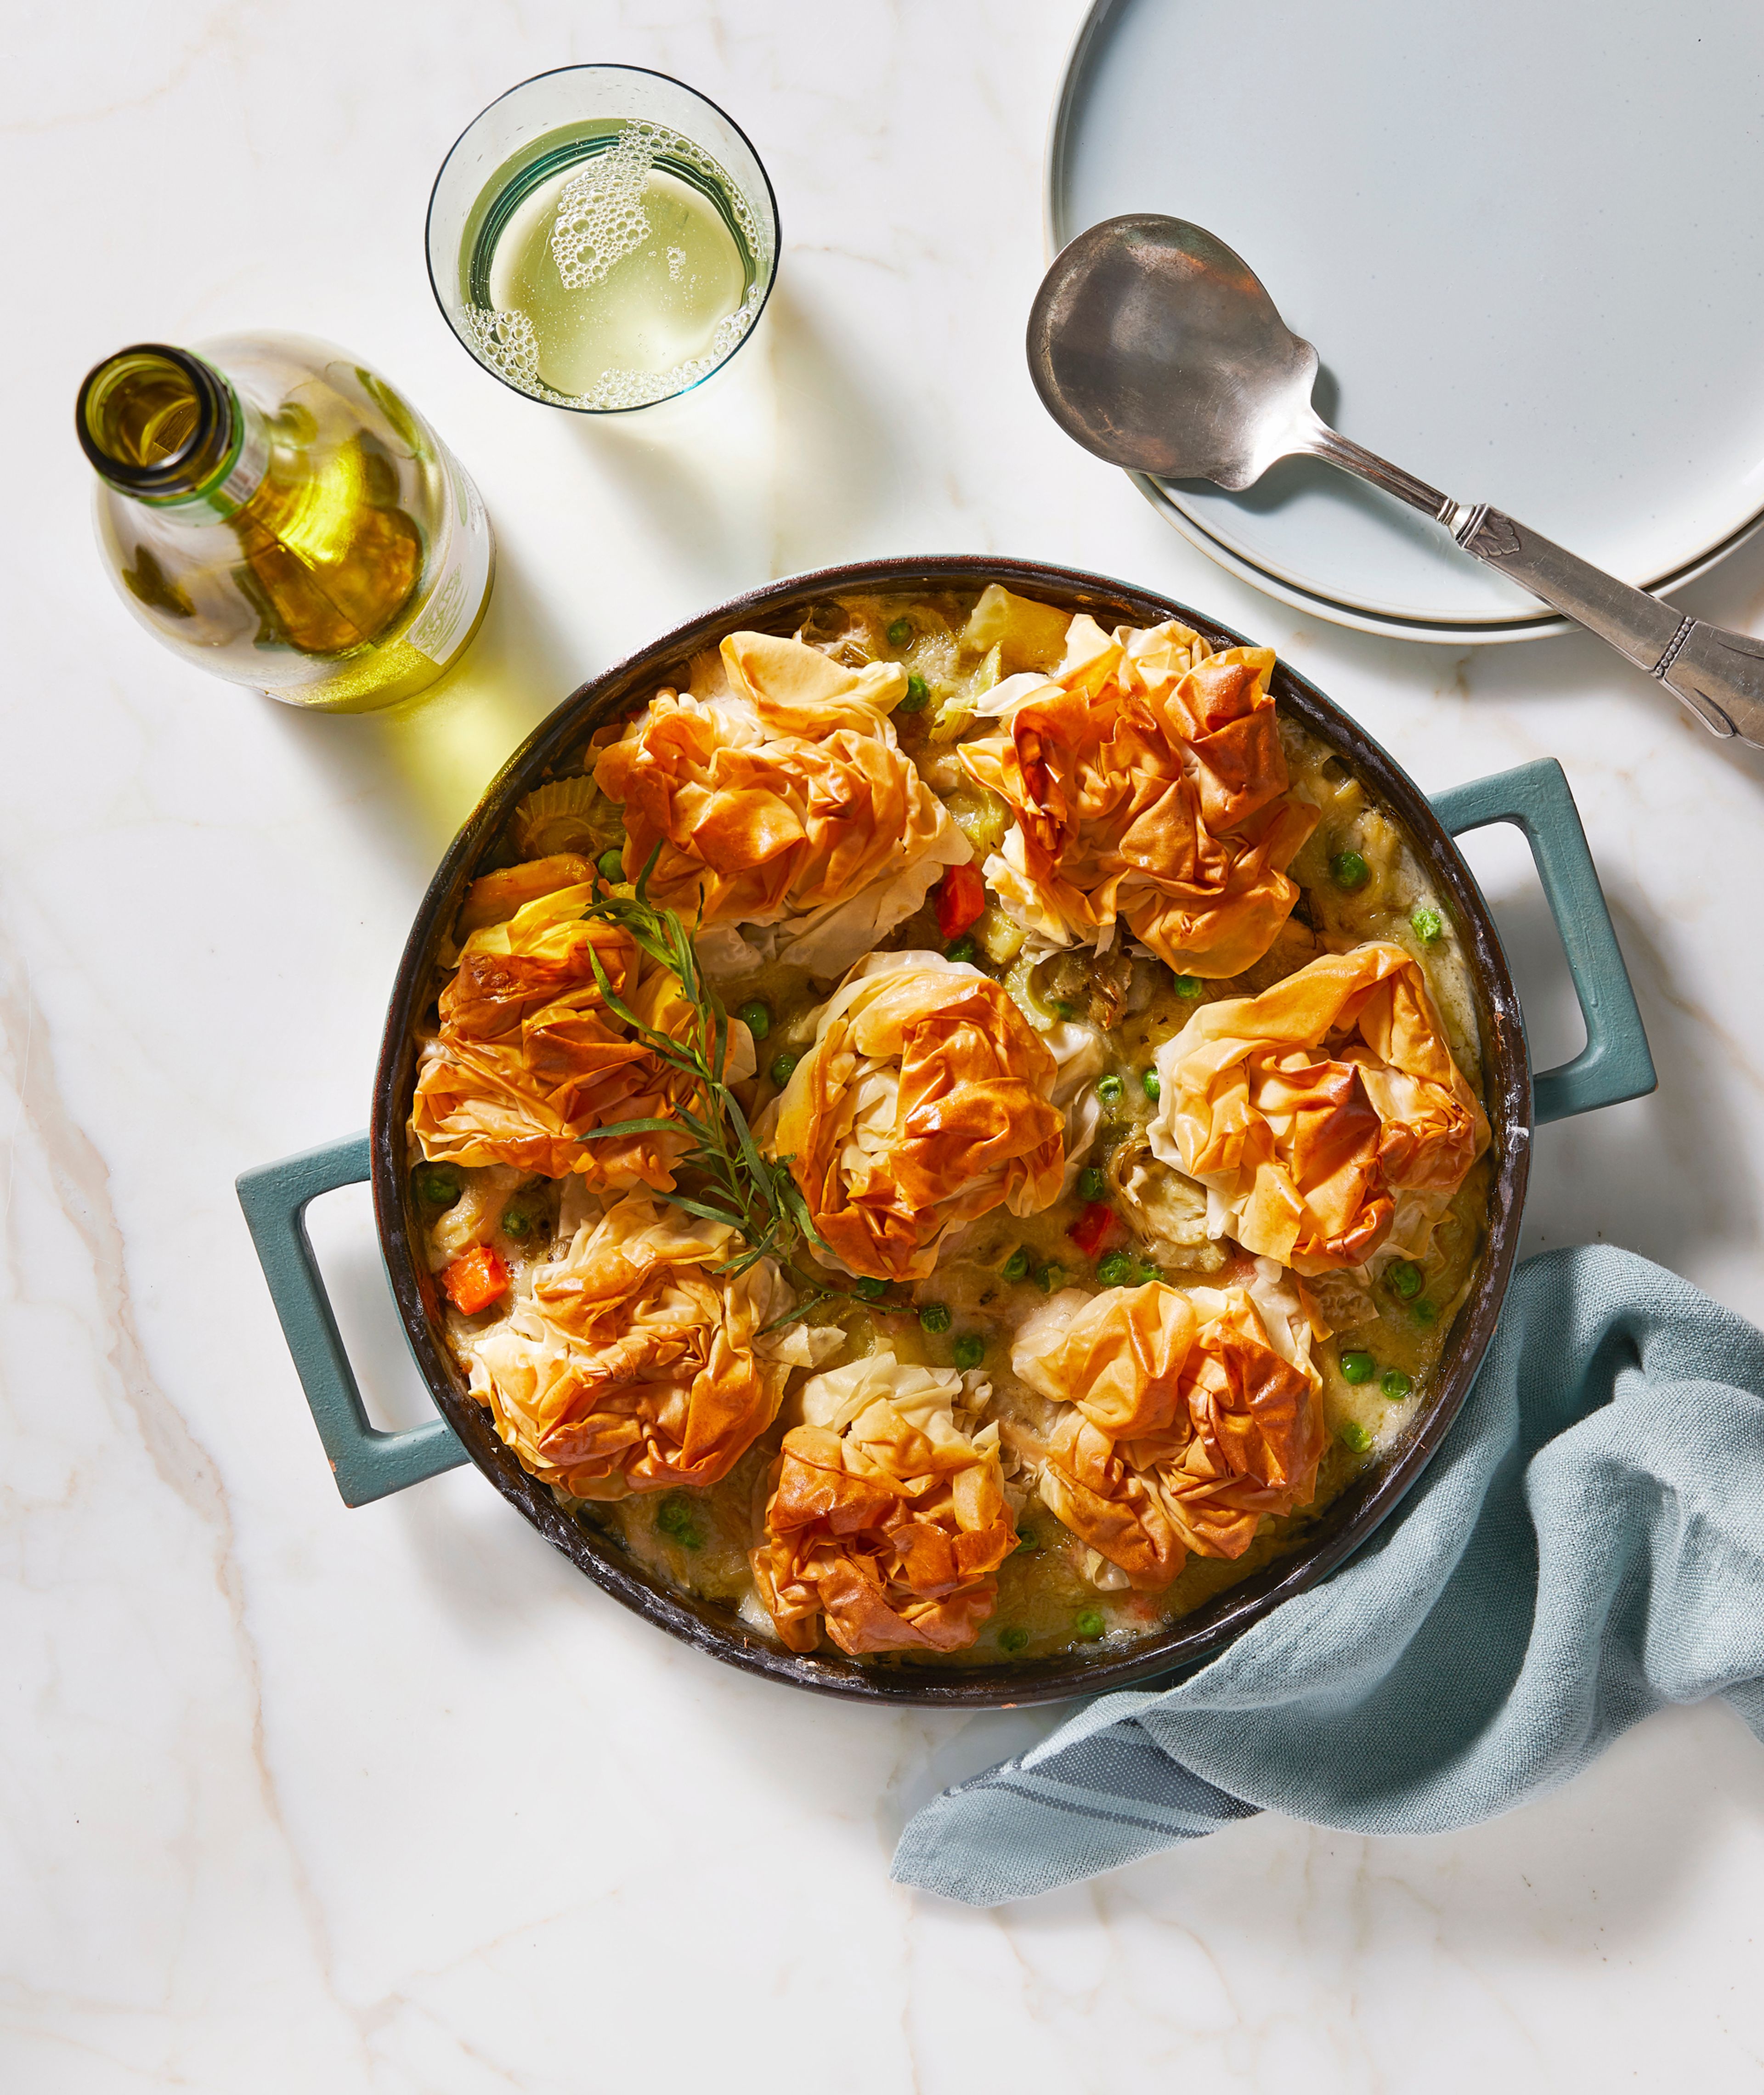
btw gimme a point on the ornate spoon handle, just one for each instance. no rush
(1719, 675)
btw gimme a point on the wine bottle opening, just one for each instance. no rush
(154, 420)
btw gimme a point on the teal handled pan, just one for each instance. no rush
(368, 1463)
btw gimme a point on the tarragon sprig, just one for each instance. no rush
(729, 1181)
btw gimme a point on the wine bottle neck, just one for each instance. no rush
(166, 428)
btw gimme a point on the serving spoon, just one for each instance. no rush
(1156, 347)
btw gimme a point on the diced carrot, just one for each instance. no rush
(1092, 1227)
(961, 895)
(475, 1279)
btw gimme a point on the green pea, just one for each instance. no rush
(1090, 1183)
(934, 1316)
(1357, 1367)
(1108, 1091)
(900, 632)
(1349, 869)
(1405, 1280)
(869, 1289)
(1065, 1008)
(756, 1017)
(1115, 1270)
(1143, 1274)
(1088, 1622)
(610, 865)
(1354, 1435)
(918, 696)
(438, 1185)
(519, 1221)
(1148, 1080)
(1027, 1543)
(673, 1517)
(782, 1066)
(1426, 925)
(1425, 1312)
(1013, 1640)
(962, 949)
(1015, 1267)
(970, 1351)
(1190, 988)
(1049, 1278)
(1394, 1384)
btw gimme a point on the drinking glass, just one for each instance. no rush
(601, 238)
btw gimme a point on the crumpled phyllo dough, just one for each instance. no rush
(631, 1364)
(924, 1101)
(885, 1519)
(528, 1059)
(1194, 1414)
(1147, 783)
(1326, 1116)
(783, 804)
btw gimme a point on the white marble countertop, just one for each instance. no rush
(393, 1799)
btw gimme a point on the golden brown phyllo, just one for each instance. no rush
(1326, 1116)
(527, 1059)
(1146, 782)
(782, 803)
(1193, 1415)
(1017, 1149)
(885, 1519)
(631, 1364)
(924, 1101)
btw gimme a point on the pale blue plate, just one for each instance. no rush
(1526, 237)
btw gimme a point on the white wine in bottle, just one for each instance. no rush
(278, 513)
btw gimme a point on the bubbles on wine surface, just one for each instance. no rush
(622, 279)
(600, 217)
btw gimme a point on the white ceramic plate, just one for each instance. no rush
(1526, 237)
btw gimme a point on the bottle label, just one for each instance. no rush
(459, 589)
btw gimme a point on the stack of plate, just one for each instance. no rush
(1527, 239)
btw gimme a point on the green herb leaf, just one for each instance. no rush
(723, 1177)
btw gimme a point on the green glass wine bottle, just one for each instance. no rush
(278, 513)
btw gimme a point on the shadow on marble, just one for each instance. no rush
(1578, 1872)
(1572, 667)
(834, 451)
(1659, 1175)
(413, 774)
(697, 469)
(496, 1579)
(711, 470)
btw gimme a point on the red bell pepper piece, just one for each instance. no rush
(961, 895)
(1091, 1228)
(475, 1279)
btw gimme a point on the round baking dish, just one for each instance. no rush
(368, 1464)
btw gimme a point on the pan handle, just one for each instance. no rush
(1615, 1064)
(368, 1464)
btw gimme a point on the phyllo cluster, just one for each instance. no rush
(633, 1362)
(783, 805)
(1146, 785)
(886, 1518)
(1192, 1414)
(1326, 1116)
(527, 1059)
(926, 1101)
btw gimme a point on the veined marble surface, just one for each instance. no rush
(297, 1798)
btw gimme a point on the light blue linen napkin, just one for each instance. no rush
(1587, 1545)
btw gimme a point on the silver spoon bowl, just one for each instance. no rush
(1155, 346)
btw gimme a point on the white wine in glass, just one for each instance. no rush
(603, 238)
